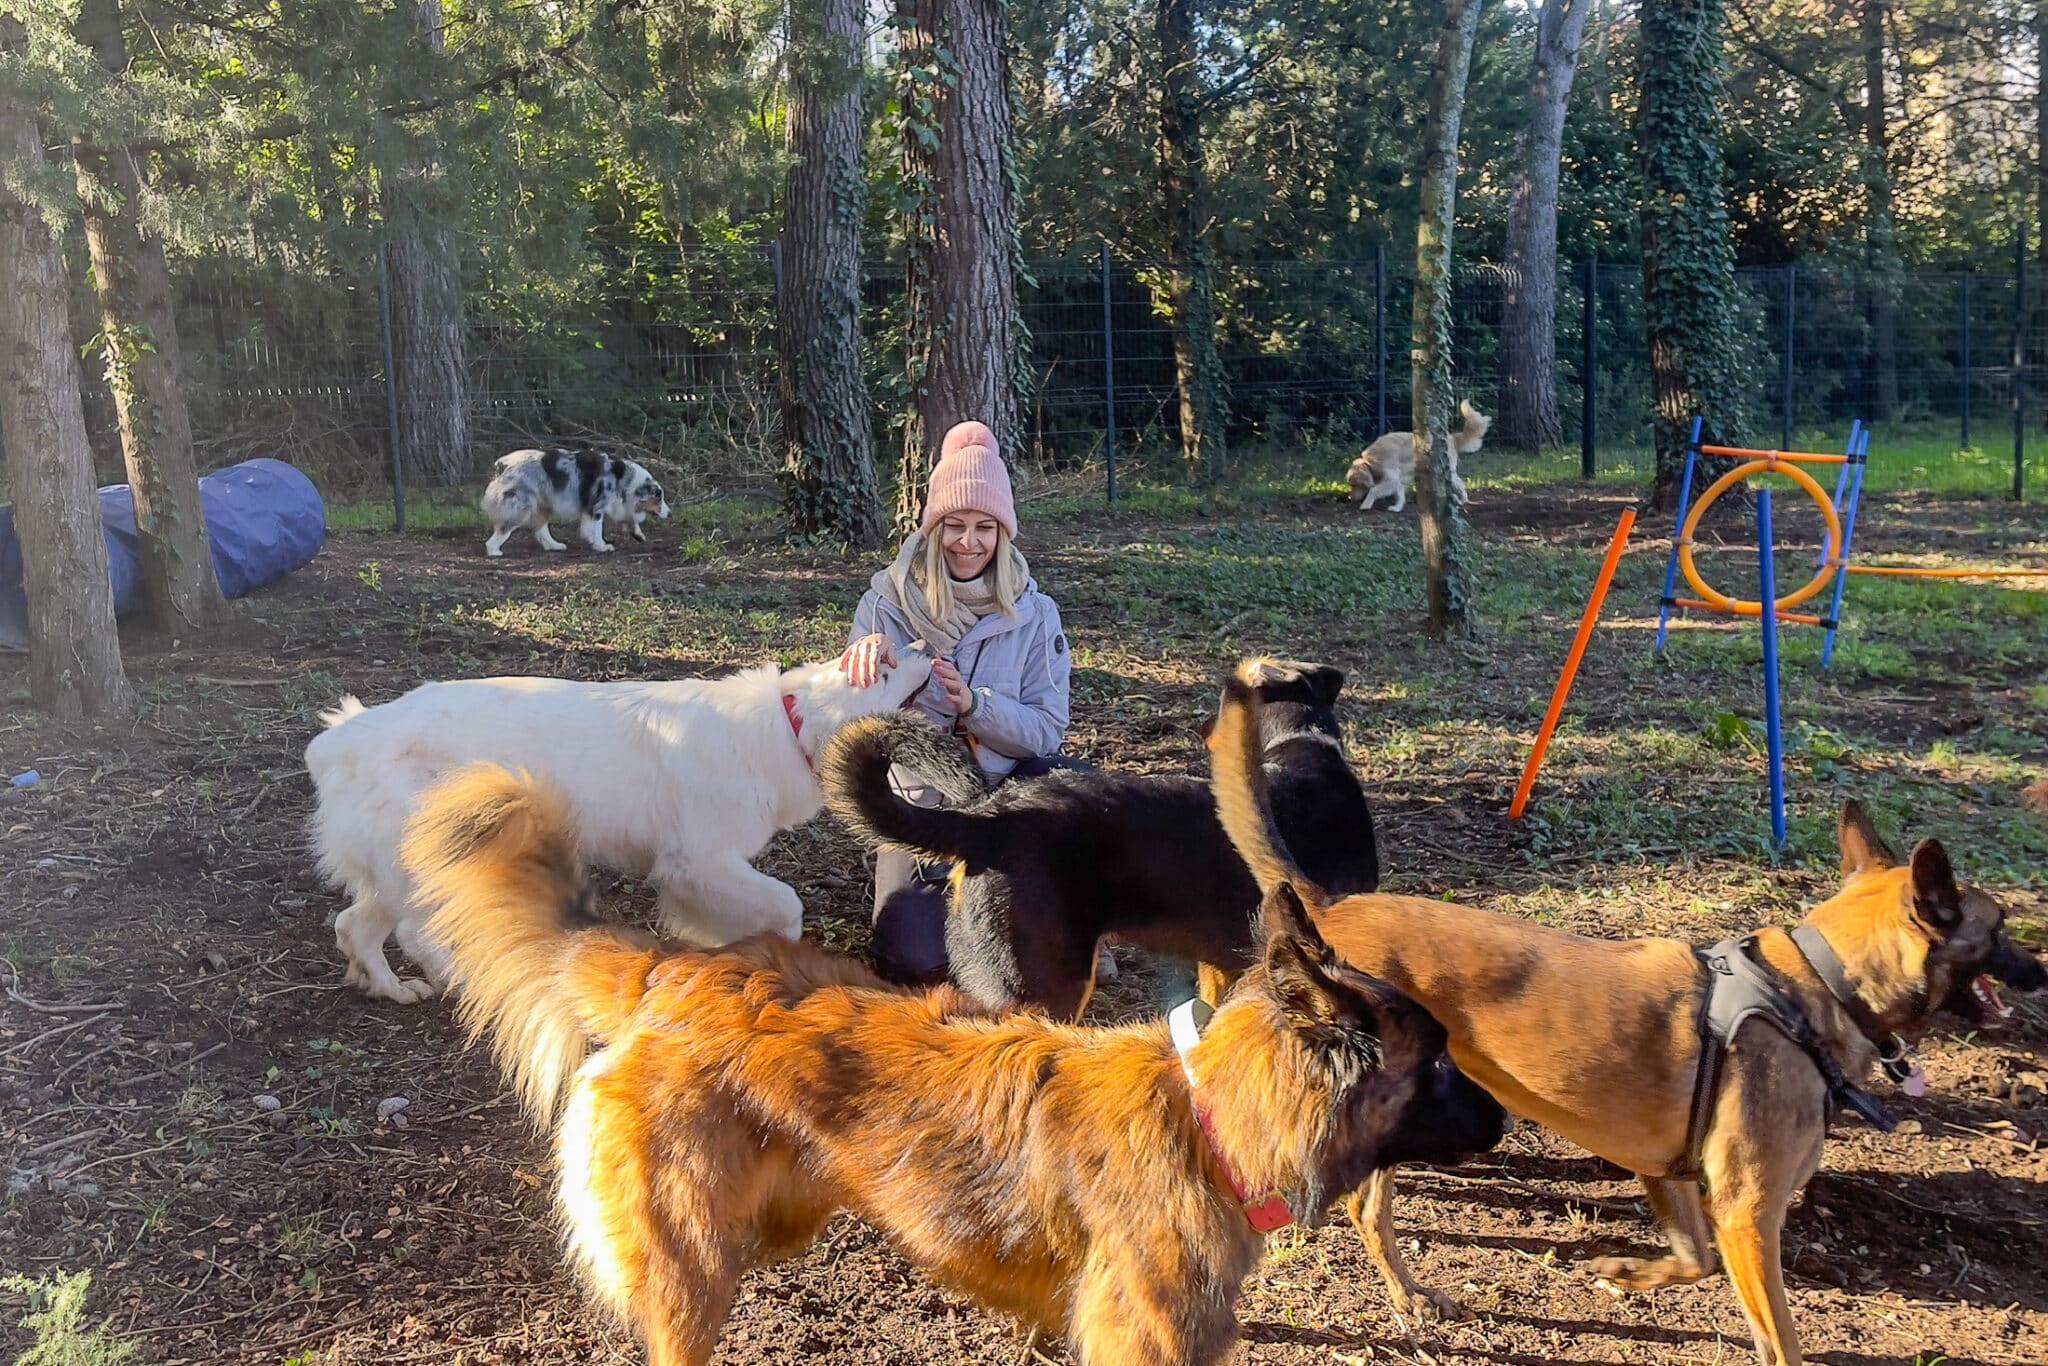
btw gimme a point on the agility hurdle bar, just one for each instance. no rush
(1571, 661)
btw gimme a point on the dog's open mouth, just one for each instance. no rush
(1984, 991)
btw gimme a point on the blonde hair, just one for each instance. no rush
(1006, 574)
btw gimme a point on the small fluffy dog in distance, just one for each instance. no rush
(1088, 1181)
(1050, 865)
(680, 782)
(1388, 465)
(533, 488)
(1606, 1042)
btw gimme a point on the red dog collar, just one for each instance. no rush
(1265, 1210)
(796, 729)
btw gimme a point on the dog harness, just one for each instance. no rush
(1265, 1210)
(1741, 987)
(1893, 1054)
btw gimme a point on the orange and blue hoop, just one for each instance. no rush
(1838, 512)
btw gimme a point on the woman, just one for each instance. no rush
(1000, 677)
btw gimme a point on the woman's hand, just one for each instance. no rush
(953, 685)
(864, 660)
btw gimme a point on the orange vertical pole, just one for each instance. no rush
(1571, 662)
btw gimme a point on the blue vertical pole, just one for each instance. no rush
(1108, 378)
(1692, 450)
(1841, 483)
(1833, 621)
(1379, 339)
(1767, 595)
(390, 387)
(1963, 358)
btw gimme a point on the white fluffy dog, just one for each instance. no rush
(679, 782)
(1388, 465)
(533, 488)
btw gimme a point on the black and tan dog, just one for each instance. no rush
(1045, 867)
(1107, 1184)
(1602, 1040)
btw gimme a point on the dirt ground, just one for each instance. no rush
(193, 1107)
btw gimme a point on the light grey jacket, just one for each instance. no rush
(1016, 665)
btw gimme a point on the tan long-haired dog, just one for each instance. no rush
(1073, 1177)
(1601, 1040)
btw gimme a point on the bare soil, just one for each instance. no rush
(169, 961)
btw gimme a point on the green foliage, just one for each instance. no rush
(1689, 262)
(56, 1316)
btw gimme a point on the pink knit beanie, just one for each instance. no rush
(970, 477)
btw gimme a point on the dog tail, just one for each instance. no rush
(1469, 437)
(347, 709)
(854, 774)
(1237, 777)
(494, 855)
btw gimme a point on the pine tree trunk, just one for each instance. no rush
(1688, 261)
(139, 336)
(962, 329)
(74, 662)
(829, 446)
(1190, 291)
(1880, 239)
(1446, 550)
(1528, 342)
(424, 275)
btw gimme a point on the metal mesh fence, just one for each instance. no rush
(679, 362)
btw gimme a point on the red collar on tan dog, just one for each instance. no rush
(1265, 1210)
(796, 729)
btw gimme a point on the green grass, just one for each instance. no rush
(1918, 456)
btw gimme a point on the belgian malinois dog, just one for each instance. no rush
(1602, 1040)
(1107, 1184)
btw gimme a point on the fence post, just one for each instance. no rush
(2019, 357)
(1108, 379)
(1963, 357)
(390, 385)
(1791, 313)
(1379, 337)
(1589, 418)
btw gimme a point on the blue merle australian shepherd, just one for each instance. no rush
(533, 488)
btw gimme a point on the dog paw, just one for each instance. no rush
(1428, 1306)
(603, 549)
(411, 991)
(1620, 1274)
(494, 552)
(556, 546)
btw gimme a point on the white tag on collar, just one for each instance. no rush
(1185, 1022)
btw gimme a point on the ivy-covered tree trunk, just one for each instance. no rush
(74, 659)
(828, 463)
(1528, 340)
(424, 274)
(139, 339)
(1688, 260)
(1189, 291)
(1446, 539)
(1880, 237)
(961, 326)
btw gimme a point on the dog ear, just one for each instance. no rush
(1296, 957)
(1936, 902)
(1863, 849)
(1324, 683)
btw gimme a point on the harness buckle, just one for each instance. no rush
(1896, 1058)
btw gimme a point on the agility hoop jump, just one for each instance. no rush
(1831, 574)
